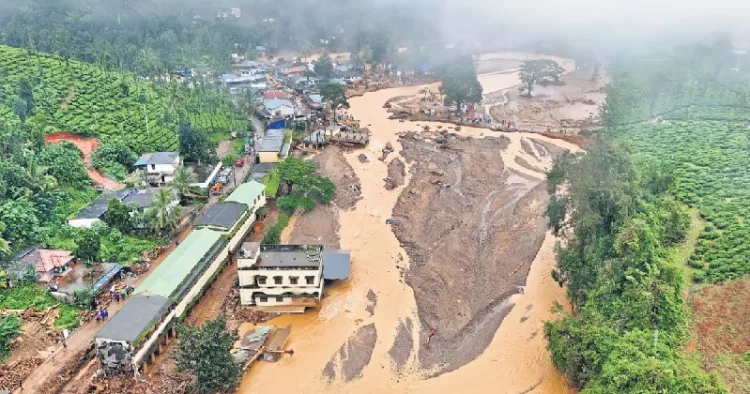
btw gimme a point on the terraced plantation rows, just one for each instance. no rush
(711, 164)
(86, 99)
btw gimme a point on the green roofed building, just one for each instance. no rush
(252, 193)
(179, 271)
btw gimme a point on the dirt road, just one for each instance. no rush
(86, 145)
(515, 359)
(48, 373)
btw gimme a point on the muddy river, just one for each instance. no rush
(515, 361)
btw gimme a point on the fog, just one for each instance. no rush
(606, 26)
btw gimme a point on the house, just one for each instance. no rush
(47, 263)
(314, 101)
(279, 107)
(315, 140)
(286, 278)
(247, 68)
(159, 167)
(351, 76)
(289, 68)
(235, 12)
(143, 198)
(261, 51)
(302, 83)
(273, 148)
(95, 211)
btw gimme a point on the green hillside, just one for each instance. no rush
(86, 99)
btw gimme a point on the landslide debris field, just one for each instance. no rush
(471, 227)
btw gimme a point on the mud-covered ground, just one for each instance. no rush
(321, 225)
(353, 356)
(472, 229)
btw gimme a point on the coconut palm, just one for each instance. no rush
(182, 180)
(164, 215)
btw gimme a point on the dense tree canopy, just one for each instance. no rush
(460, 84)
(303, 186)
(195, 146)
(538, 71)
(204, 352)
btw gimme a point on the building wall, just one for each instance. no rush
(82, 223)
(268, 157)
(284, 301)
(239, 236)
(248, 277)
(162, 168)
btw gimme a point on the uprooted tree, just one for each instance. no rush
(460, 84)
(204, 353)
(538, 71)
(302, 185)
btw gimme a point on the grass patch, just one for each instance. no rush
(272, 182)
(720, 317)
(273, 235)
(38, 298)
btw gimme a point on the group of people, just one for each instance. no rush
(102, 314)
(122, 293)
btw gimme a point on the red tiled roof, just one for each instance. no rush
(51, 258)
(275, 94)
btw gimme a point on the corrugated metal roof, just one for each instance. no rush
(336, 264)
(223, 215)
(172, 272)
(246, 193)
(137, 316)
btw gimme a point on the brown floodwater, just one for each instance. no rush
(515, 361)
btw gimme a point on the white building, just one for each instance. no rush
(159, 167)
(287, 278)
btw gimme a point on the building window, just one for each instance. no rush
(277, 280)
(262, 299)
(153, 166)
(310, 279)
(293, 280)
(279, 299)
(261, 280)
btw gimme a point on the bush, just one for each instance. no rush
(273, 235)
(10, 326)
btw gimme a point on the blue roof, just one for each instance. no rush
(336, 264)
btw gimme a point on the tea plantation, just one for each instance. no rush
(86, 99)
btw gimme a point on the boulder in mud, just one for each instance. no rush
(362, 158)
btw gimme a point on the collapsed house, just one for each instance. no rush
(147, 321)
(287, 278)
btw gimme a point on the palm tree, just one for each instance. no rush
(181, 181)
(164, 215)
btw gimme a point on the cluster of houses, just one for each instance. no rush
(287, 89)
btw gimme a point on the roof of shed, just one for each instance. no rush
(168, 276)
(98, 207)
(224, 214)
(336, 264)
(246, 193)
(272, 141)
(143, 197)
(157, 158)
(137, 316)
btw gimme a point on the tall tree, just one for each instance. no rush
(204, 352)
(335, 95)
(181, 181)
(460, 84)
(535, 71)
(164, 215)
(89, 244)
(324, 67)
(195, 145)
(118, 216)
